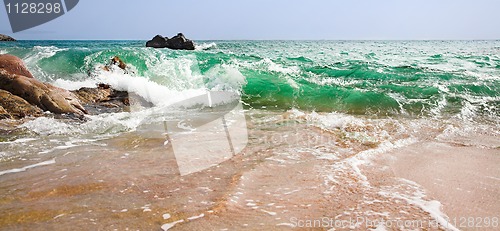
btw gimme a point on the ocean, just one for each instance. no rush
(391, 78)
(341, 129)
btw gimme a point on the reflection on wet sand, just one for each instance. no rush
(291, 170)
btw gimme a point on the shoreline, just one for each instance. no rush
(275, 183)
(465, 179)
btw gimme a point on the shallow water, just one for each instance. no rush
(296, 166)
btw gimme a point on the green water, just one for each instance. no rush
(409, 78)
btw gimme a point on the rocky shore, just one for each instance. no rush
(22, 95)
(5, 38)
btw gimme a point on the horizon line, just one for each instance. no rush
(498, 39)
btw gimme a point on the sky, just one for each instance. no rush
(271, 20)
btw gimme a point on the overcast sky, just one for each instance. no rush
(272, 19)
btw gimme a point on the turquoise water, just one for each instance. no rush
(402, 78)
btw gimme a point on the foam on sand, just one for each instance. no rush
(432, 207)
(168, 226)
(16, 170)
(196, 217)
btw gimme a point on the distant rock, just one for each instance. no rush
(157, 42)
(178, 42)
(6, 38)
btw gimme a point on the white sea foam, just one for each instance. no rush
(286, 72)
(272, 66)
(268, 64)
(365, 157)
(75, 85)
(174, 81)
(441, 104)
(40, 52)
(468, 111)
(196, 217)
(269, 212)
(153, 92)
(99, 124)
(416, 196)
(168, 226)
(324, 81)
(400, 100)
(62, 147)
(18, 141)
(16, 170)
(331, 120)
(175, 73)
(115, 123)
(205, 46)
(224, 78)
(48, 126)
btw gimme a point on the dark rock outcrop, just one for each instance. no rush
(178, 42)
(157, 42)
(94, 95)
(6, 38)
(104, 99)
(117, 64)
(16, 107)
(43, 95)
(115, 61)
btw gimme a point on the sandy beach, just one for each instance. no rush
(464, 178)
(292, 174)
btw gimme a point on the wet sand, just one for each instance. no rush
(464, 178)
(290, 175)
